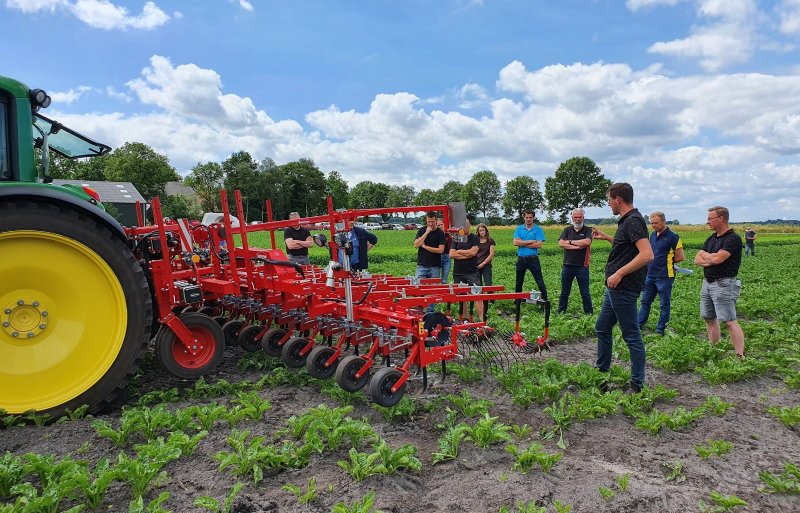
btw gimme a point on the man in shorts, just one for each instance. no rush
(720, 259)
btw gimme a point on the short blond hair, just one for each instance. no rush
(721, 212)
(658, 213)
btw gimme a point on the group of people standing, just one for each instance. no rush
(638, 264)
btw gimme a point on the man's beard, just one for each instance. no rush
(577, 226)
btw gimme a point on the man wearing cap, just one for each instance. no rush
(298, 240)
(667, 251)
(750, 241)
(720, 259)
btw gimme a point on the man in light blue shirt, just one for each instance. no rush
(529, 238)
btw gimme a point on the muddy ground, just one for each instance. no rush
(480, 480)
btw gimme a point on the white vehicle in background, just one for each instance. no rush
(210, 218)
(372, 226)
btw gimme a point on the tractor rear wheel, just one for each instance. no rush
(75, 309)
(380, 387)
(199, 360)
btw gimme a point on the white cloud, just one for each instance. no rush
(69, 96)
(101, 14)
(635, 5)
(113, 93)
(471, 96)
(729, 38)
(789, 12)
(247, 6)
(682, 142)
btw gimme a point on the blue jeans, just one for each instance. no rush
(620, 306)
(428, 272)
(750, 248)
(445, 268)
(531, 263)
(580, 273)
(653, 286)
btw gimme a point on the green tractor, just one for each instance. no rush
(75, 306)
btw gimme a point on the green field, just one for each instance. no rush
(767, 308)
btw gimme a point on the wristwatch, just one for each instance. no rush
(570, 243)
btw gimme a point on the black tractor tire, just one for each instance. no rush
(315, 363)
(290, 353)
(380, 387)
(248, 338)
(71, 380)
(346, 373)
(181, 364)
(221, 320)
(269, 342)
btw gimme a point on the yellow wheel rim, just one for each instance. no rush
(63, 319)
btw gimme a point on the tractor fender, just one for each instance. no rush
(52, 195)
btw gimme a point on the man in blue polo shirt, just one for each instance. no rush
(529, 238)
(667, 251)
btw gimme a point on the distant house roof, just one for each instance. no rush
(179, 189)
(110, 192)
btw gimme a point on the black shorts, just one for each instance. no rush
(471, 279)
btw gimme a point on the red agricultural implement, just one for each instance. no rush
(80, 296)
(212, 291)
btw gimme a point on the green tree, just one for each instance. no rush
(272, 184)
(401, 196)
(240, 174)
(90, 169)
(578, 182)
(451, 191)
(522, 193)
(179, 206)
(338, 189)
(207, 180)
(139, 164)
(370, 195)
(305, 187)
(481, 194)
(425, 197)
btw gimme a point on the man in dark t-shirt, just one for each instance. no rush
(465, 260)
(750, 241)
(625, 273)
(430, 246)
(298, 240)
(720, 259)
(576, 241)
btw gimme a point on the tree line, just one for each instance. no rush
(302, 187)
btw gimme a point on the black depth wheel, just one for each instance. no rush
(220, 319)
(380, 387)
(231, 331)
(315, 363)
(269, 342)
(203, 358)
(207, 310)
(247, 338)
(291, 352)
(346, 373)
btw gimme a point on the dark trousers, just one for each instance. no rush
(531, 263)
(662, 287)
(750, 248)
(619, 306)
(580, 273)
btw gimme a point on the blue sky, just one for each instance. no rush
(694, 102)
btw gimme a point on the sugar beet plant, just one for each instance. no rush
(382, 461)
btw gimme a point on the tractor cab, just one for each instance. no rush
(51, 135)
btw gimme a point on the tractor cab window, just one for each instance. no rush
(5, 168)
(64, 140)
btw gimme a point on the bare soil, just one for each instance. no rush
(481, 480)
